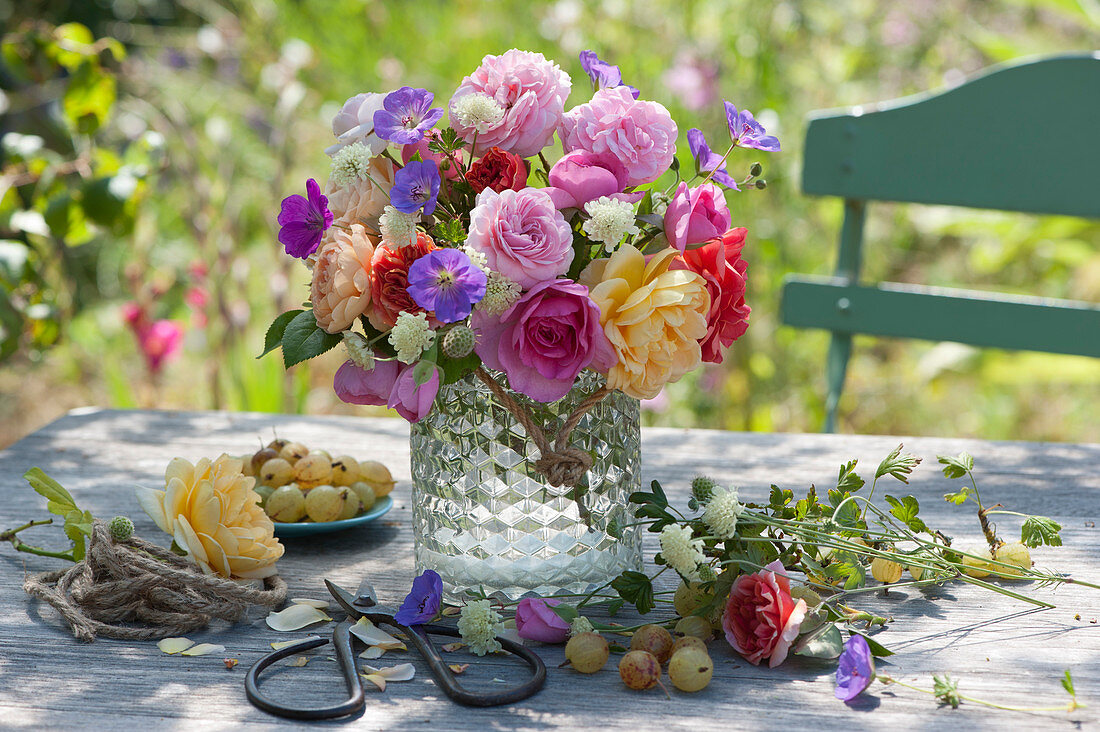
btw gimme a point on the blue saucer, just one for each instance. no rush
(306, 528)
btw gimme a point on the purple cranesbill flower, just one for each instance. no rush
(856, 669)
(303, 220)
(745, 131)
(422, 603)
(446, 281)
(603, 74)
(707, 160)
(406, 115)
(415, 187)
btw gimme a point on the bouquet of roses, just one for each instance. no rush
(437, 251)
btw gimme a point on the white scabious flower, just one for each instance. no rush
(479, 626)
(350, 164)
(722, 511)
(359, 351)
(681, 552)
(411, 336)
(500, 293)
(580, 625)
(477, 257)
(397, 228)
(477, 110)
(611, 220)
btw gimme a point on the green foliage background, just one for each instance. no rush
(223, 108)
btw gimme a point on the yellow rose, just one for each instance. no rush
(362, 202)
(340, 291)
(213, 514)
(653, 316)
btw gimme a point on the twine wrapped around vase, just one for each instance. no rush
(155, 592)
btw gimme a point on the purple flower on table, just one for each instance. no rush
(422, 603)
(706, 160)
(745, 131)
(856, 669)
(603, 74)
(416, 186)
(406, 115)
(446, 282)
(303, 220)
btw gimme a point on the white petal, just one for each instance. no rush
(319, 604)
(377, 680)
(373, 652)
(153, 503)
(203, 648)
(174, 645)
(372, 635)
(400, 672)
(295, 617)
(300, 661)
(283, 644)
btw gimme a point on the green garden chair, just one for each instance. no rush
(986, 143)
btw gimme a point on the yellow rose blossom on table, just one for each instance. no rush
(653, 316)
(341, 286)
(213, 514)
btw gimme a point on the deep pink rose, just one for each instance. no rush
(532, 91)
(411, 400)
(583, 176)
(355, 385)
(640, 134)
(762, 619)
(536, 621)
(545, 339)
(719, 263)
(696, 215)
(446, 166)
(523, 236)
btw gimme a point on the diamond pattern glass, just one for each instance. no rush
(486, 521)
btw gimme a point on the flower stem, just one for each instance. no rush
(20, 546)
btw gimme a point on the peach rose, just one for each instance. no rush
(762, 619)
(362, 202)
(341, 287)
(212, 512)
(653, 316)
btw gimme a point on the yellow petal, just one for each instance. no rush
(295, 617)
(377, 680)
(181, 470)
(283, 644)
(203, 648)
(372, 635)
(172, 646)
(319, 604)
(300, 661)
(153, 503)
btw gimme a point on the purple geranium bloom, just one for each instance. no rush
(856, 669)
(707, 160)
(303, 220)
(422, 603)
(603, 74)
(416, 186)
(447, 282)
(406, 115)
(745, 131)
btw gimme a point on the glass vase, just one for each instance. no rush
(488, 522)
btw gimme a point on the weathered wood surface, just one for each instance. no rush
(1000, 649)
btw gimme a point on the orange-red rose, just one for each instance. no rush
(390, 278)
(762, 619)
(719, 263)
(498, 170)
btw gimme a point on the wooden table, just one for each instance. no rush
(1001, 650)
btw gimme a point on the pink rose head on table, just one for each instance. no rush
(507, 226)
(761, 618)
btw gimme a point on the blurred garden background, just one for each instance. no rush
(147, 144)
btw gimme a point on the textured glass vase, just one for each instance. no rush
(487, 521)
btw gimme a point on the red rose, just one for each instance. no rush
(390, 278)
(498, 170)
(762, 619)
(719, 263)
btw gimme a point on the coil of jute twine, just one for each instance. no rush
(136, 590)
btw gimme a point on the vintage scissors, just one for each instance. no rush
(364, 605)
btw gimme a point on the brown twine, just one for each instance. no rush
(135, 581)
(560, 463)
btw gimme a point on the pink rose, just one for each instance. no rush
(388, 384)
(523, 236)
(640, 134)
(545, 339)
(446, 167)
(695, 215)
(761, 619)
(583, 176)
(355, 123)
(411, 400)
(532, 91)
(719, 263)
(536, 621)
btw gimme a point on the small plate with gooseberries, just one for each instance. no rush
(308, 528)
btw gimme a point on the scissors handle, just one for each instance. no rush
(418, 636)
(345, 658)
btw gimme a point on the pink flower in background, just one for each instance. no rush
(536, 621)
(446, 167)
(197, 299)
(522, 234)
(696, 215)
(762, 619)
(693, 80)
(411, 400)
(532, 92)
(545, 339)
(159, 340)
(640, 134)
(582, 176)
(719, 263)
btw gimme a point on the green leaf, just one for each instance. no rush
(877, 649)
(659, 492)
(303, 339)
(825, 642)
(906, 511)
(89, 97)
(274, 337)
(568, 613)
(958, 466)
(959, 497)
(847, 479)
(1039, 530)
(456, 368)
(450, 230)
(422, 372)
(847, 567)
(898, 465)
(636, 588)
(614, 607)
(779, 497)
(1067, 684)
(849, 514)
(59, 501)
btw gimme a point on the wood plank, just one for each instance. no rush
(999, 649)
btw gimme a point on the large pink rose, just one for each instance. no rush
(762, 619)
(523, 236)
(545, 339)
(640, 134)
(583, 176)
(388, 384)
(536, 621)
(532, 91)
(411, 400)
(696, 215)
(719, 263)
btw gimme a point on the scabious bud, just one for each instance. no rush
(459, 341)
(122, 528)
(703, 488)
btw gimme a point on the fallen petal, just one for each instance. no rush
(203, 648)
(373, 652)
(172, 646)
(319, 604)
(295, 617)
(230, 662)
(457, 668)
(372, 635)
(283, 644)
(299, 661)
(377, 680)
(452, 647)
